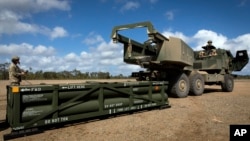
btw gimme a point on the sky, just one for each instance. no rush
(58, 35)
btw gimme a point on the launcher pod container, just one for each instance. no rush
(171, 59)
(40, 105)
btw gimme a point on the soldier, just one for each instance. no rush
(210, 49)
(15, 72)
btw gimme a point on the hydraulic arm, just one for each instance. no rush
(134, 51)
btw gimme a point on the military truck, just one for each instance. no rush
(171, 59)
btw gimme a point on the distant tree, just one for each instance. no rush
(103, 75)
(50, 75)
(4, 74)
(86, 75)
(76, 74)
(67, 75)
(39, 75)
(93, 75)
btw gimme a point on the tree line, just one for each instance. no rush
(74, 74)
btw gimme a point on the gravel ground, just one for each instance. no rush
(195, 118)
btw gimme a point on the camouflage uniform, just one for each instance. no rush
(15, 72)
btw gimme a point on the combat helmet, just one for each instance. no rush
(209, 41)
(15, 58)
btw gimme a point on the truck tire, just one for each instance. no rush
(180, 87)
(228, 84)
(196, 84)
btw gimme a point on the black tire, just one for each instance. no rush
(228, 84)
(196, 84)
(180, 87)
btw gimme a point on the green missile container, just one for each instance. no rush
(40, 105)
(86, 106)
(46, 96)
(31, 112)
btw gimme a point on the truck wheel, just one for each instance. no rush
(196, 84)
(180, 87)
(228, 84)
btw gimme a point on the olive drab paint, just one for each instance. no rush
(30, 106)
(171, 59)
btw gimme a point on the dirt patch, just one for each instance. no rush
(195, 118)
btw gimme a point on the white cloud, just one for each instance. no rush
(58, 32)
(53, 4)
(241, 42)
(200, 38)
(25, 48)
(24, 7)
(8, 15)
(43, 50)
(103, 56)
(10, 24)
(36, 57)
(93, 39)
(130, 5)
(13, 13)
(72, 57)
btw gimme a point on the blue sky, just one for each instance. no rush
(57, 35)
